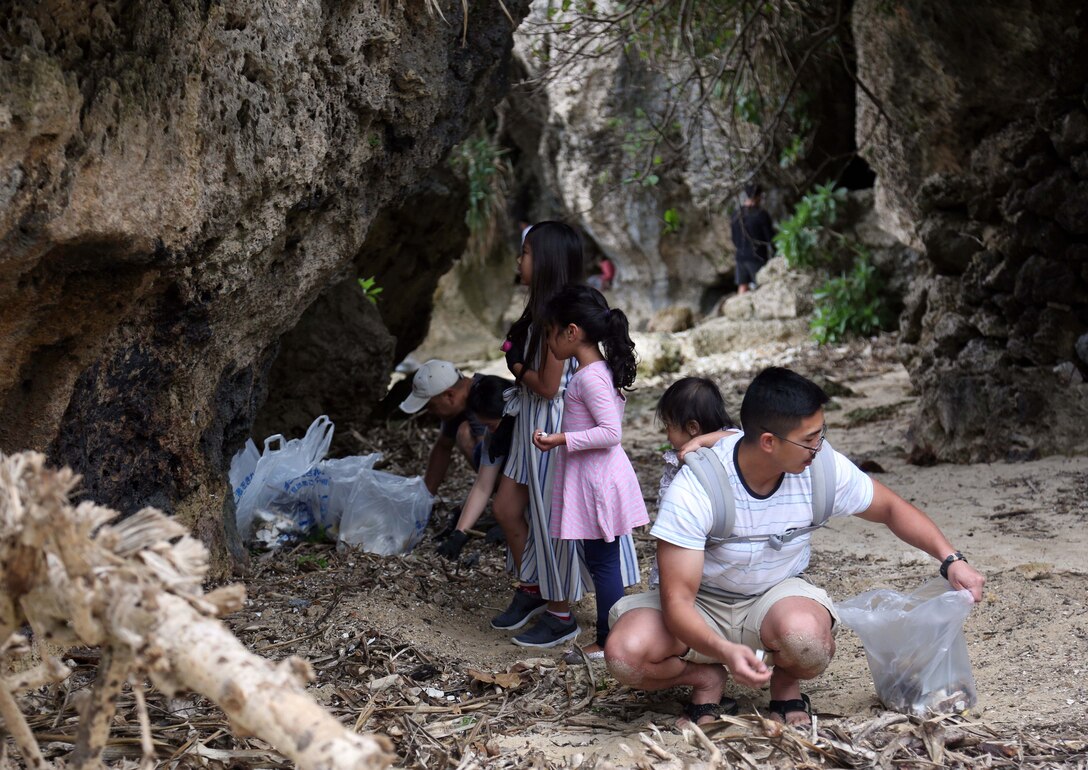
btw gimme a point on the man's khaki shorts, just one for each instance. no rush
(739, 621)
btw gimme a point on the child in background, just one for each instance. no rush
(597, 498)
(693, 414)
(485, 402)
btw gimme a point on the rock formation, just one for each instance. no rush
(582, 135)
(980, 145)
(973, 119)
(188, 192)
(179, 182)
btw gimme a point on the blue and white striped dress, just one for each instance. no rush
(557, 566)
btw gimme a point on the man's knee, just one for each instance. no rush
(807, 655)
(805, 646)
(630, 642)
(802, 639)
(622, 653)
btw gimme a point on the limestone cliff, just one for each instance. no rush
(582, 134)
(980, 144)
(974, 120)
(179, 181)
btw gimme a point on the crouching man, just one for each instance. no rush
(719, 603)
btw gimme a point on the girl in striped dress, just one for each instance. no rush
(597, 499)
(551, 573)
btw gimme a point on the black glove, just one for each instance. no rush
(495, 536)
(515, 344)
(451, 547)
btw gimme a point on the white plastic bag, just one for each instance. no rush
(384, 513)
(242, 466)
(915, 646)
(341, 474)
(282, 496)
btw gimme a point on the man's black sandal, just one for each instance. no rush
(696, 711)
(783, 707)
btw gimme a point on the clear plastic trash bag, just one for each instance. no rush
(289, 490)
(385, 513)
(915, 646)
(280, 491)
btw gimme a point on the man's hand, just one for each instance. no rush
(962, 576)
(545, 441)
(746, 668)
(451, 547)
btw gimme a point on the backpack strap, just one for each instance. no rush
(710, 472)
(823, 485)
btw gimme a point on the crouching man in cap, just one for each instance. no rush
(441, 389)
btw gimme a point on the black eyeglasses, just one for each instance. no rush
(813, 449)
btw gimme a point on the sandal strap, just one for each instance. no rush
(696, 711)
(782, 707)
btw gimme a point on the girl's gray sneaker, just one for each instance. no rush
(523, 607)
(549, 631)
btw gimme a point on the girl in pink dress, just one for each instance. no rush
(596, 498)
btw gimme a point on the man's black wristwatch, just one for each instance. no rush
(954, 556)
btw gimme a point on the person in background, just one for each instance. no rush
(690, 407)
(597, 501)
(602, 280)
(441, 389)
(753, 237)
(688, 410)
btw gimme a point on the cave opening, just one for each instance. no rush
(857, 175)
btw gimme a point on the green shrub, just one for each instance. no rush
(483, 164)
(852, 300)
(851, 304)
(370, 288)
(807, 239)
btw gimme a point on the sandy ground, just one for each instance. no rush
(1025, 526)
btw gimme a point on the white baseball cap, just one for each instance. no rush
(432, 378)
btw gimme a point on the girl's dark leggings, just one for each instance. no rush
(603, 561)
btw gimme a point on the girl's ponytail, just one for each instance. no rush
(586, 307)
(618, 349)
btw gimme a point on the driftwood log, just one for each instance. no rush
(78, 576)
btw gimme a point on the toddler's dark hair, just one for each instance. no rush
(587, 308)
(485, 396)
(694, 399)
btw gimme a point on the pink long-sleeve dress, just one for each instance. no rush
(596, 494)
